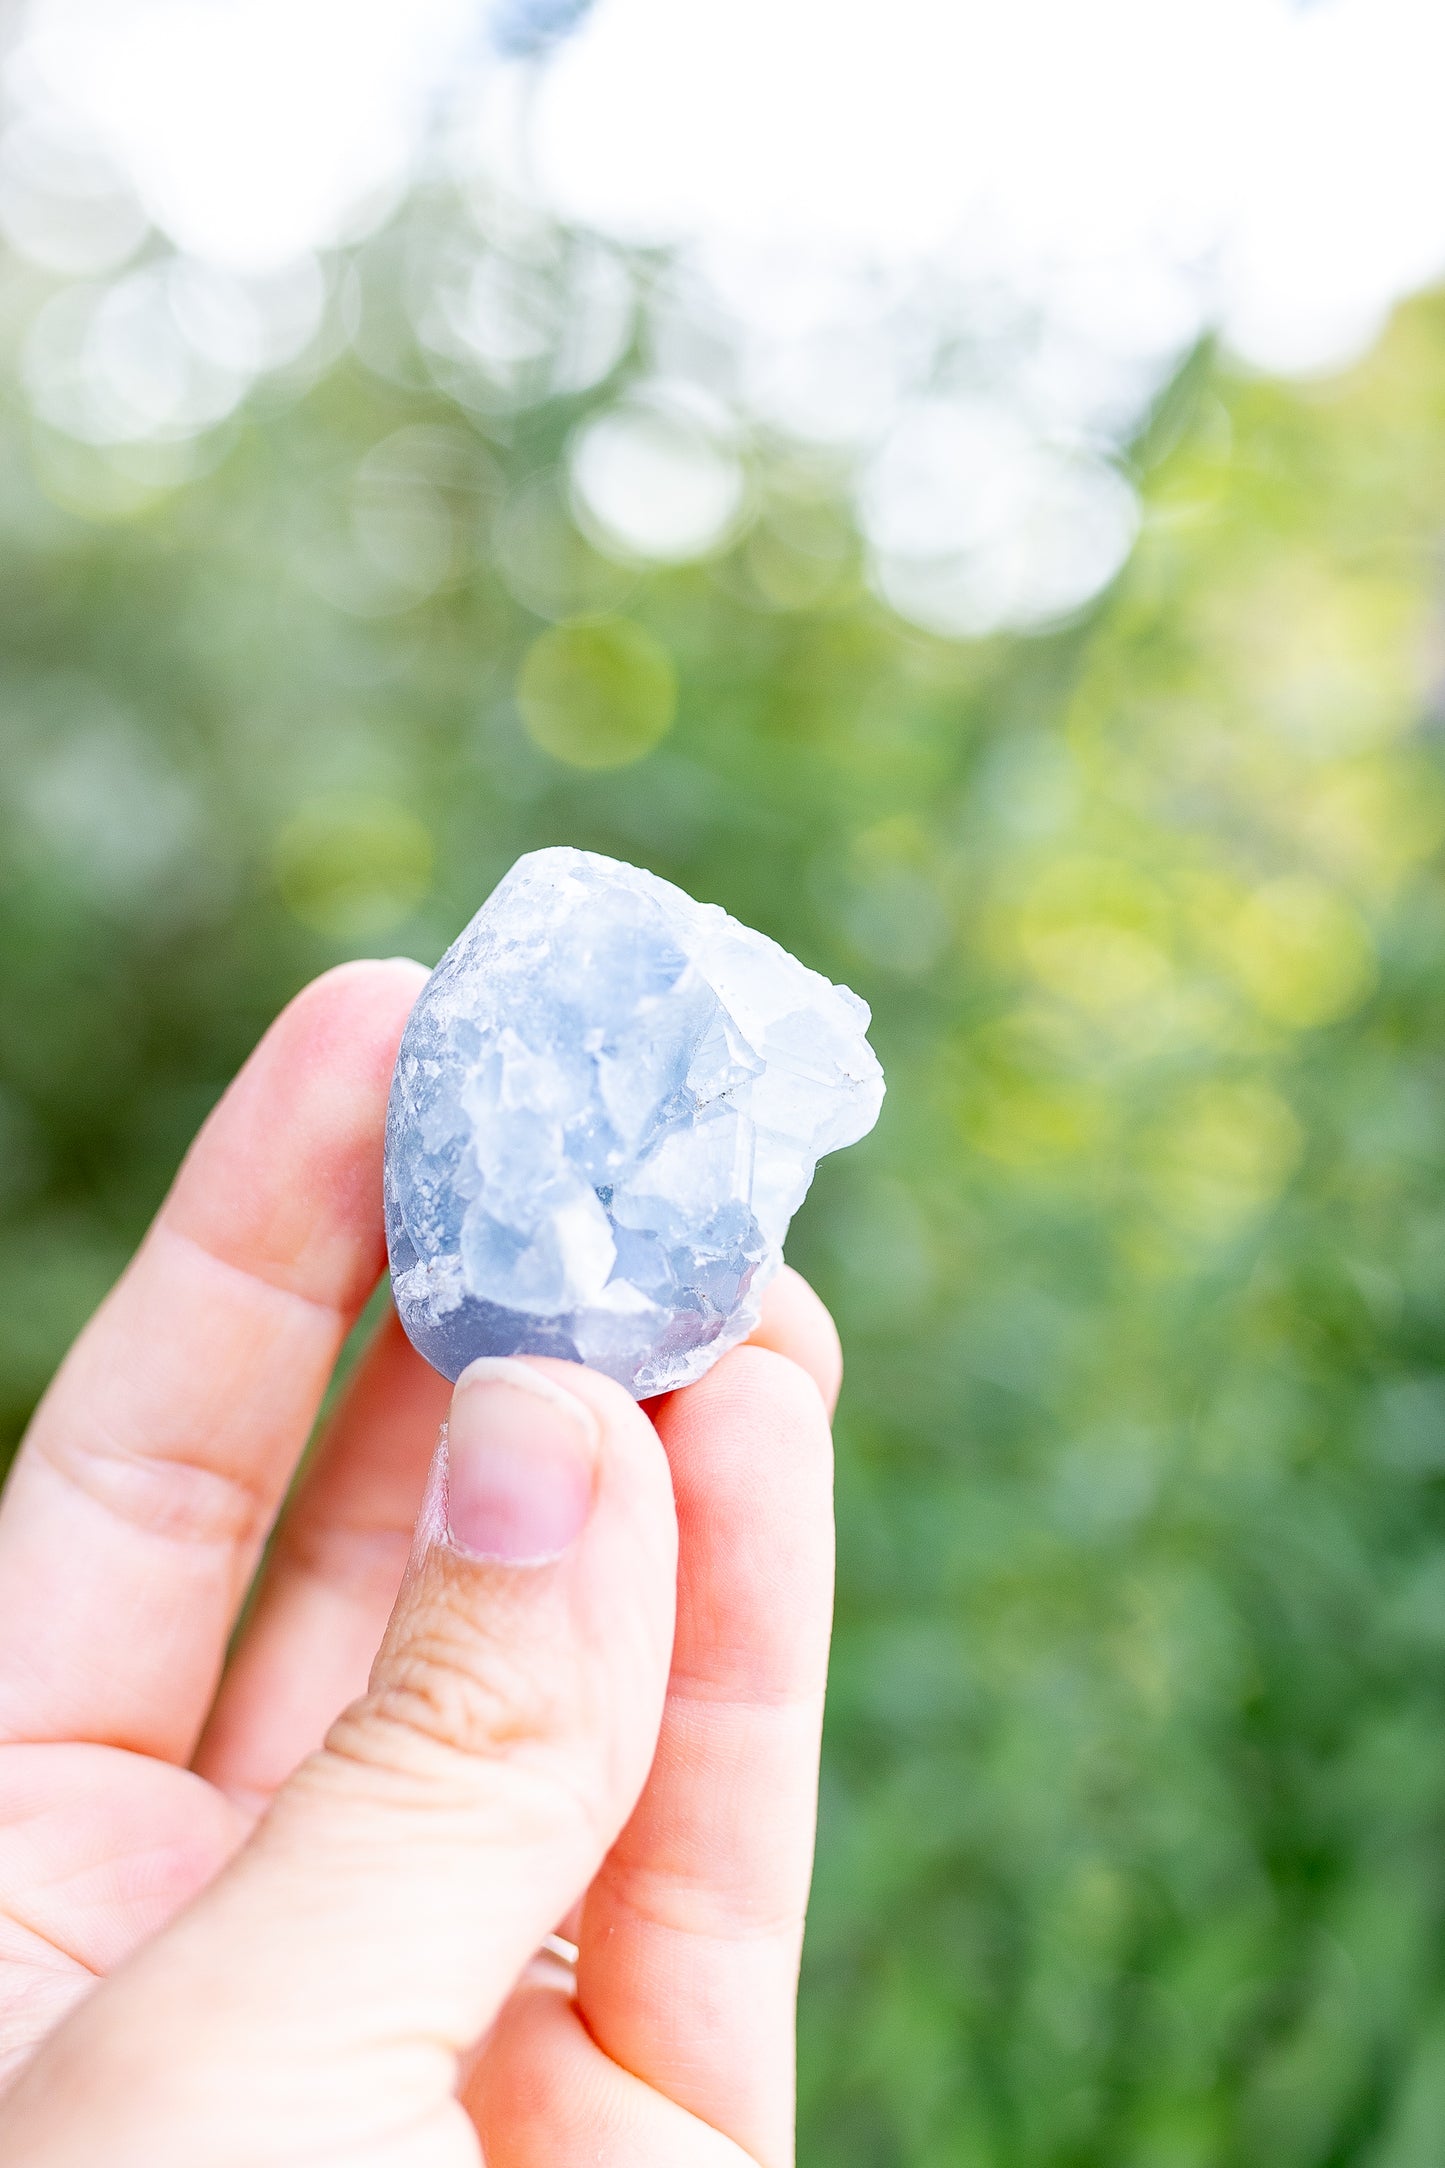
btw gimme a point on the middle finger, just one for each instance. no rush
(332, 1577)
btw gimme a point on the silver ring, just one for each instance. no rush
(559, 1946)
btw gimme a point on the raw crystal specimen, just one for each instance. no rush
(608, 1105)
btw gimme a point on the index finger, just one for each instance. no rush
(154, 1466)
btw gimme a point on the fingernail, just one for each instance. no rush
(521, 1465)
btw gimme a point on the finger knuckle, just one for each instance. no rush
(460, 1684)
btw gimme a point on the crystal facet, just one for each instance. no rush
(608, 1104)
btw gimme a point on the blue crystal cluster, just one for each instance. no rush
(608, 1104)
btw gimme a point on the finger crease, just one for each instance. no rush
(49, 1946)
(337, 1314)
(699, 1908)
(345, 1555)
(696, 1689)
(175, 1496)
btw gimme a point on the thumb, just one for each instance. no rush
(386, 1905)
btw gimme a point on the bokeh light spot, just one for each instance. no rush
(545, 563)
(654, 480)
(419, 502)
(979, 526)
(1303, 953)
(1225, 1153)
(1097, 934)
(1020, 1107)
(63, 205)
(353, 867)
(597, 692)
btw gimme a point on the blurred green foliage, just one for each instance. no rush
(1133, 1836)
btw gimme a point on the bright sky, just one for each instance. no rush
(1118, 173)
(1285, 153)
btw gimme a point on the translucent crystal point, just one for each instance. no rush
(608, 1104)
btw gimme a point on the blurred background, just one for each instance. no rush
(965, 489)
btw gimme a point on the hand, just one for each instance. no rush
(223, 1941)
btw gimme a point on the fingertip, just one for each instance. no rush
(755, 1410)
(284, 1180)
(631, 1463)
(764, 1383)
(797, 1323)
(357, 1010)
(610, 1402)
(521, 1464)
(751, 1455)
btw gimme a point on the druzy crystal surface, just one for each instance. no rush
(608, 1104)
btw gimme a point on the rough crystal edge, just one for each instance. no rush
(707, 924)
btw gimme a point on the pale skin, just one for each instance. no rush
(274, 1899)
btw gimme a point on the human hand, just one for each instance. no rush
(211, 1955)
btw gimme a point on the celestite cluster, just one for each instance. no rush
(608, 1104)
